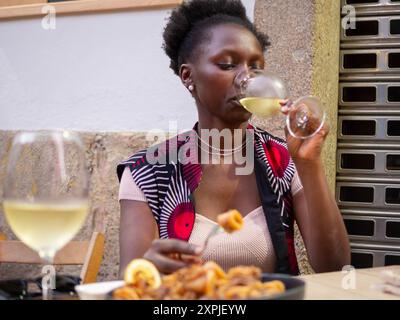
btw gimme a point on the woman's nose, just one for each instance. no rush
(241, 78)
(244, 70)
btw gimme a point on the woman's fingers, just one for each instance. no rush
(165, 264)
(176, 246)
(286, 132)
(325, 130)
(169, 255)
(190, 259)
(285, 105)
(283, 102)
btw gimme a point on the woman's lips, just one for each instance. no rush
(236, 101)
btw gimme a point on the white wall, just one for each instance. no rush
(97, 72)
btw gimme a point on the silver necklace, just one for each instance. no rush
(220, 151)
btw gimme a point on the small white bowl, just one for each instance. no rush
(97, 290)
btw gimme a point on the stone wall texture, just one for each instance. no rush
(305, 50)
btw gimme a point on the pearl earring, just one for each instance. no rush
(191, 87)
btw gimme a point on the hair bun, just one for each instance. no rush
(191, 13)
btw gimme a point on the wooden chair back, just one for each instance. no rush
(89, 254)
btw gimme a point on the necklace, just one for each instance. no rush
(215, 150)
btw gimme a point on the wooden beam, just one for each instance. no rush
(84, 7)
(8, 3)
(17, 252)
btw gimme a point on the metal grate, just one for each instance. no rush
(369, 162)
(367, 256)
(370, 228)
(368, 128)
(368, 156)
(379, 64)
(379, 95)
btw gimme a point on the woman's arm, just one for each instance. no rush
(138, 229)
(316, 211)
(138, 238)
(320, 222)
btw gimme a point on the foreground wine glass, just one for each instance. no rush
(260, 93)
(46, 190)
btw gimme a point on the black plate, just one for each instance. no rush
(295, 288)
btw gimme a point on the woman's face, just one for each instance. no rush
(230, 49)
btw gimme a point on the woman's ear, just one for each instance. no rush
(185, 73)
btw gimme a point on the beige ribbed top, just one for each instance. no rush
(251, 245)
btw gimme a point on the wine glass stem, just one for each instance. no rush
(48, 274)
(47, 257)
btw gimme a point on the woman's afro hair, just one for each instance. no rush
(188, 24)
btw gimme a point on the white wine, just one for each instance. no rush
(45, 227)
(264, 107)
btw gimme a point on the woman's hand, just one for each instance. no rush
(304, 151)
(169, 255)
(316, 213)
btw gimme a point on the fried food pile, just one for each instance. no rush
(206, 281)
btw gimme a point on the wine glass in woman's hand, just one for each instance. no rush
(260, 92)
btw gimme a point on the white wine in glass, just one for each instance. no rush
(44, 226)
(263, 107)
(261, 93)
(46, 190)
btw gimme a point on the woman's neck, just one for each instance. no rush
(219, 137)
(220, 125)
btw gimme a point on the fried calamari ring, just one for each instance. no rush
(231, 220)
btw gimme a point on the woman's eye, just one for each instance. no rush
(226, 66)
(255, 67)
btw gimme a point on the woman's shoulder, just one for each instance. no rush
(160, 154)
(137, 159)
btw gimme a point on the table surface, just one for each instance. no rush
(328, 286)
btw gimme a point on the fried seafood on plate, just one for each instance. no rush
(202, 281)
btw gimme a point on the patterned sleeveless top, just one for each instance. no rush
(169, 173)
